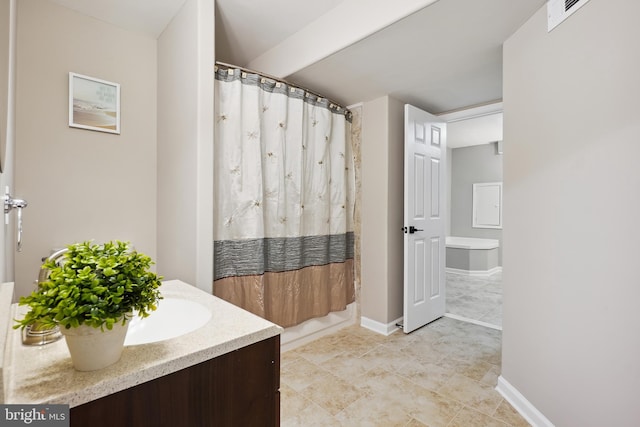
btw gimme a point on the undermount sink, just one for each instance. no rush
(173, 317)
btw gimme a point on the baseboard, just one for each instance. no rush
(521, 404)
(313, 329)
(475, 322)
(381, 328)
(474, 273)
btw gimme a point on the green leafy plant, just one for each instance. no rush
(94, 285)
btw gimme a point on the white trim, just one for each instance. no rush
(521, 404)
(471, 243)
(380, 328)
(471, 112)
(313, 329)
(475, 322)
(474, 273)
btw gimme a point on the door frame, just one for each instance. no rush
(7, 238)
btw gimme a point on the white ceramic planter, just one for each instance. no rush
(92, 348)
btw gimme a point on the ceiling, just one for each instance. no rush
(145, 16)
(247, 28)
(447, 56)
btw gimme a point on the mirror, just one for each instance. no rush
(5, 40)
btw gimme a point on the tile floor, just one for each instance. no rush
(477, 298)
(443, 374)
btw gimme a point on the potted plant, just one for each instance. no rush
(91, 293)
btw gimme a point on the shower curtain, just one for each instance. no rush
(284, 199)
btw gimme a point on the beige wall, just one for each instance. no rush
(395, 205)
(374, 210)
(185, 145)
(82, 184)
(571, 341)
(382, 210)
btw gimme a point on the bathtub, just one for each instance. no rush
(472, 256)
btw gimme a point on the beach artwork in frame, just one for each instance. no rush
(94, 104)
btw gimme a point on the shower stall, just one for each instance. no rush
(284, 198)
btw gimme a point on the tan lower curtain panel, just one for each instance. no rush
(289, 298)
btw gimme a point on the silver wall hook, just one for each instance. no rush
(9, 204)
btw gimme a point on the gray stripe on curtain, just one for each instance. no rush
(275, 254)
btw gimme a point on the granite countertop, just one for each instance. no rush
(44, 374)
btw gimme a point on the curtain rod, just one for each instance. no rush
(280, 80)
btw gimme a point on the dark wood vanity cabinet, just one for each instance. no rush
(240, 388)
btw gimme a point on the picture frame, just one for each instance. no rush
(94, 104)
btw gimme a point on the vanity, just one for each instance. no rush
(225, 373)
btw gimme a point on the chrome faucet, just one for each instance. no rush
(44, 272)
(37, 334)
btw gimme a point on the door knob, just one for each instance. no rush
(411, 229)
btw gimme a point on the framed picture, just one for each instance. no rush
(94, 104)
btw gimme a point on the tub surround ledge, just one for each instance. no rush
(45, 374)
(472, 256)
(471, 243)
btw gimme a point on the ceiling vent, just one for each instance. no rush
(559, 10)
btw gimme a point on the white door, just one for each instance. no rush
(424, 218)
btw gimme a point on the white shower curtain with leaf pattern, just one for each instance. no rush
(284, 199)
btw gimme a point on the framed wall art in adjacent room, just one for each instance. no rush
(94, 104)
